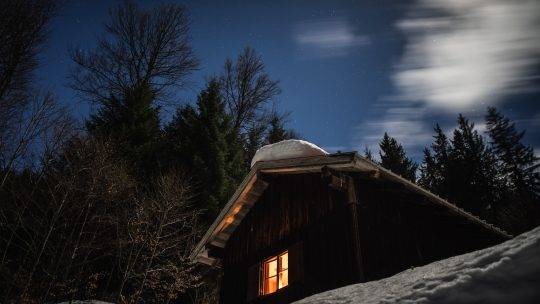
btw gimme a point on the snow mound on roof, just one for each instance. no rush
(505, 273)
(290, 148)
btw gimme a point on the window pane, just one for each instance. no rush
(284, 261)
(271, 268)
(270, 285)
(283, 278)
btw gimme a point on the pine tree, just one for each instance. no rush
(471, 172)
(132, 122)
(519, 164)
(393, 157)
(428, 172)
(277, 131)
(434, 168)
(518, 167)
(254, 139)
(200, 140)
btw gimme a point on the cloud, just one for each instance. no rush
(464, 52)
(327, 38)
(403, 123)
(459, 56)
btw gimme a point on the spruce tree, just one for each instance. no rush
(253, 140)
(471, 172)
(393, 157)
(518, 167)
(132, 122)
(277, 131)
(428, 172)
(519, 164)
(202, 141)
(434, 168)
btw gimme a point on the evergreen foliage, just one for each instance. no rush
(393, 158)
(203, 141)
(253, 140)
(133, 123)
(277, 131)
(496, 180)
(518, 164)
(517, 167)
(471, 179)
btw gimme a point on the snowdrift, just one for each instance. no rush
(290, 148)
(505, 273)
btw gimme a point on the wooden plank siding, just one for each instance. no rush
(294, 208)
(395, 229)
(399, 230)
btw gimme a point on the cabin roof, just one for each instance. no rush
(253, 186)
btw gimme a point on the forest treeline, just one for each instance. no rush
(109, 208)
(493, 176)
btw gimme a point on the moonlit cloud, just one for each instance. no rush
(459, 56)
(463, 52)
(329, 38)
(406, 124)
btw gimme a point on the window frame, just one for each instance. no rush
(264, 277)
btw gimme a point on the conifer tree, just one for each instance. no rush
(428, 172)
(471, 172)
(434, 168)
(253, 140)
(132, 122)
(519, 164)
(518, 167)
(277, 131)
(143, 57)
(201, 141)
(393, 157)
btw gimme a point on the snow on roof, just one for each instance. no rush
(505, 273)
(291, 148)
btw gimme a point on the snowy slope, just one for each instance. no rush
(290, 148)
(505, 273)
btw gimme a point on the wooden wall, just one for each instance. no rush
(398, 229)
(295, 209)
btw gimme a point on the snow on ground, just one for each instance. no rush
(290, 148)
(505, 273)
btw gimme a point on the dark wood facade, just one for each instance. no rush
(358, 229)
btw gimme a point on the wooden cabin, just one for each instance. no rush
(300, 226)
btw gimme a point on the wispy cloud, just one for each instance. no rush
(405, 123)
(463, 52)
(327, 38)
(460, 56)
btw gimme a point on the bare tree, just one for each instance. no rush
(89, 224)
(140, 47)
(40, 125)
(24, 28)
(247, 88)
(25, 113)
(168, 225)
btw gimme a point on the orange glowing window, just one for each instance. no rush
(275, 273)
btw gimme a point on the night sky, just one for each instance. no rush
(350, 70)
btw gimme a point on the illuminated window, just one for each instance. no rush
(275, 274)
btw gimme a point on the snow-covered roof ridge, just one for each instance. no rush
(290, 148)
(505, 273)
